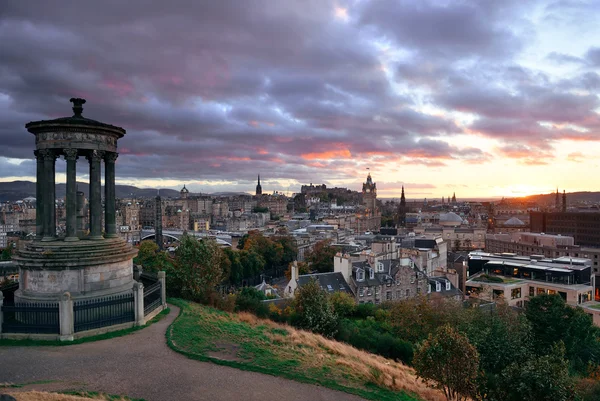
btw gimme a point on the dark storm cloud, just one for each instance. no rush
(224, 90)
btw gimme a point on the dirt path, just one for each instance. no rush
(141, 365)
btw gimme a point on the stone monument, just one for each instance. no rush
(87, 265)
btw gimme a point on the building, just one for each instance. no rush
(368, 218)
(3, 236)
(516, 279)
(584, 227)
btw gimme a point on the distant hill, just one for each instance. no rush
(572, 197)
(17, 190)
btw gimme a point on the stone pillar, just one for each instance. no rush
(137, 272)
(80, 214)
(71, 158)
(66, 317)
(49, 196)
(110, 225)
(1, 313)
(138, 297)
(163, 287)
(95, 157)
(39, 195)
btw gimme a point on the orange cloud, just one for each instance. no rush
(330, 154)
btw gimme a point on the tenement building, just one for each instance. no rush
(85, 263)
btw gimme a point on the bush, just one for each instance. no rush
(363, 311)
(314, 310)
(368, 335)
(249, 299)
(343, 304)
(227, 303)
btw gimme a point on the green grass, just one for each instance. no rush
(105, 336)
(199, 332)
(21, 385)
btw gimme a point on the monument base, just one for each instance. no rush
(86, 269)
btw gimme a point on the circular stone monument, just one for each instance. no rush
(86, 263)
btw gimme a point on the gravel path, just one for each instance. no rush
(141, 365)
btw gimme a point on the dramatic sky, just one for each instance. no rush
(477, 97)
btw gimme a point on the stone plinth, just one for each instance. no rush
(85, 269)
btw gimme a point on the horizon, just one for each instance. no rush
(482, 99)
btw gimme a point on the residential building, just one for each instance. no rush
(584, 227)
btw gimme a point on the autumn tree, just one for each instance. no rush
(150, 257)
(302, 269)
(320, 258)
(446, 360)
(197, 269)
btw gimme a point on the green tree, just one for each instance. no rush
(197, 269)
(543, 378)
(314, 310)
(343, 304)
(552, 320)
(446, 360)
(289, 249)
(320, 258)
(151, 258)
(6, 254)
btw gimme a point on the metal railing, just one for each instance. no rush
(38, 318)
(102, 312)
(152, 297)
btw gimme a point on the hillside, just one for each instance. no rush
(16, 190)
(246, 342)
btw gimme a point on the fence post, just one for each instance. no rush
(138, 298)
(163, 287)
(1, 313)
(66, 318)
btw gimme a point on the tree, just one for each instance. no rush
(314, 310)
(446, 360)
(320, 258)
(197, 269)
(543, 378)
(343, 304)
(150, 257)
(552, 320)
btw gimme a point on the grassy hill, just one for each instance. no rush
(246, 342)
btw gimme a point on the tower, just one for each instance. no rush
(564, 202)
(402, 209)
(158, 237)
(454, 198)
(184, 192)
(557, 200)
(369, 192)
(258, 187)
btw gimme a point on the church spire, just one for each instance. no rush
(564, 203)
(258, 187)
(402, 198)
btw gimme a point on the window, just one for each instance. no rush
(398, 281)
(376, 290)
(360, 275)
(369, 291)
(361, 292)
(407, 292)
(418, 290)
(438, 286)
(371, 274)
(541, 291)
(329, 287)
(389, 283)
(515, 293)
(448, 286)
(388, 295)
(412, 279)
(531, 291)
(398, 294)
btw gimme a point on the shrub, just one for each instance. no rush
(249, 299)
(343, 304)
(363, 311)
(314, 310)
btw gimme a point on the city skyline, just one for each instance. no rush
(485, 99)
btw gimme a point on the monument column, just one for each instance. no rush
(110, 225)
(71, 158)
(49, 197)
(94, 157)
(39, 195)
